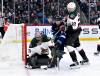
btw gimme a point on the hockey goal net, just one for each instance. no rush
(14, 44)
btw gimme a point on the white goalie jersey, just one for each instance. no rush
(74, 23)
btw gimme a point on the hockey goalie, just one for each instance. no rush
(39, 51)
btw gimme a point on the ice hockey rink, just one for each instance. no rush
(12, 65)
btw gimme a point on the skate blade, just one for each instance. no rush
(75, 67)
(96, 54)
(87, 63)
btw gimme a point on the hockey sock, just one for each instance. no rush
(82, 53)
(73, 56)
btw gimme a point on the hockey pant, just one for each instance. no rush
(37, 60)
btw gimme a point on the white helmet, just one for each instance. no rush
(98, 20)
(71, 7)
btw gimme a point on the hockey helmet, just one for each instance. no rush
(58, 19)
(71, 7)
(98, 21)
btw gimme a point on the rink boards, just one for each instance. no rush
(88, 32)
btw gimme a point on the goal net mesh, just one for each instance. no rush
(13, 46)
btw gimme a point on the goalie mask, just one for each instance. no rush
(71, 7)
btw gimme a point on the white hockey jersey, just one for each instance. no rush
(73, 22)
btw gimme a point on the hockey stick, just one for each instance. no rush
(58, 63)
(54, 36)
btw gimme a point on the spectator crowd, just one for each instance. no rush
(39, 11)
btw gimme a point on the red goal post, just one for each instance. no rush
(24, 43)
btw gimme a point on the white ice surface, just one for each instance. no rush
(87, 70)
(11, 64)
(10, 60)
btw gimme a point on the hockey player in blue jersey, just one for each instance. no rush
(59, 37)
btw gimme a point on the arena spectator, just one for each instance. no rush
(24, 11)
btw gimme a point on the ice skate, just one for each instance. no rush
(31, 67)
(45, 67)
(74, 65)
(84, 62)
(28, 66)
(96, 53)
